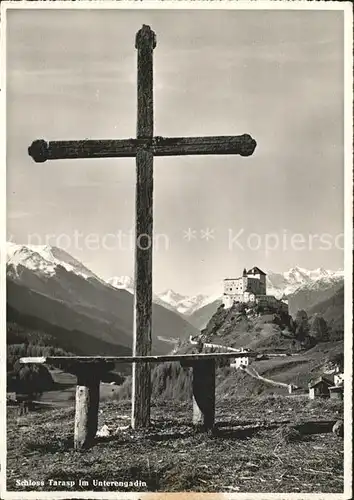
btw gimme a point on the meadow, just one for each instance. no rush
(267, 443)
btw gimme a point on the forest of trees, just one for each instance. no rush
(168, 381)
(28, 379)
(310, 331)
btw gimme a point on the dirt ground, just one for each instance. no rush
(252, 449)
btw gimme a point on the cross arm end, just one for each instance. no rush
(248, 145)
(145, 38)
(39, 151)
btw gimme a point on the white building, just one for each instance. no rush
(237, 362)
(338, 379)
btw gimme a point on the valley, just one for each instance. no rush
(54, 300)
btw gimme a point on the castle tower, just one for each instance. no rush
(257, 273)
(244, 280)
(263, 283)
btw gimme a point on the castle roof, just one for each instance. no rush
(253, 270)
(256, 270)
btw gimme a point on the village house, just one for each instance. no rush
(237, 362)
(319, 387)
(336, 392)
(11, 397)
(250, 287)
(338, 378)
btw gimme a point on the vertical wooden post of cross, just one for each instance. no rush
(141, 383)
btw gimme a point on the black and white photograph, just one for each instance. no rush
(177, 236)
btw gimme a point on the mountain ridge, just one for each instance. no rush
(278, 284)
(38, 264)
(68, 296)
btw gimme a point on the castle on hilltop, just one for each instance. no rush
(251, 287)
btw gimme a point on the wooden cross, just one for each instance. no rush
(143, 148)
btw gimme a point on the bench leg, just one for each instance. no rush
(20, 409)
(86, 408)
(204, 393)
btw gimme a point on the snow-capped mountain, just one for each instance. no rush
(122, 283)
(169, 298)
(43, 259)
(296, 278)
(173, 298)
(278, 284)
(127, 283)
(184, 304)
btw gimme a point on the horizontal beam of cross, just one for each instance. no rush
(149, 359)
(243, 145)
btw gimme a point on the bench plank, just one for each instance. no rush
(148, 359)
(89, 371)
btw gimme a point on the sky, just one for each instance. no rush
(276, 75)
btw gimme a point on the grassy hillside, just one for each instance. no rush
(271, 330)
(332, 310)
(240, 326)
(299, 370)
(171, 381)
(71, 340)
(101, 316)
(254, 327)
(306, 298)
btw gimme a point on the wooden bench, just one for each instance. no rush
(90, 370)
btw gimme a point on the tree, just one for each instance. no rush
(32, 380)
(302, 327)
(319, 328)
(292, 325)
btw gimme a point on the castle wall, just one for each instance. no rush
(234, 286)
(262, 300)
(248, 297)
(229, 299)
